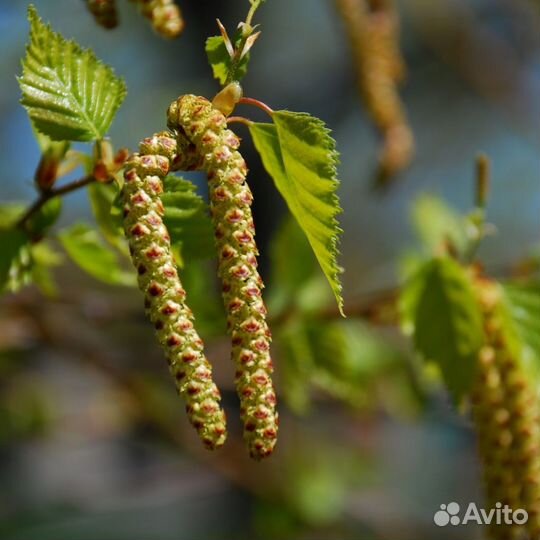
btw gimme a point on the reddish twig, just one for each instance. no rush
(256, 103)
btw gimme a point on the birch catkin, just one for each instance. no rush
(165, 297)
(165, 16)
(372, 27)
(104, 12)
(203, 127)
(505, 411)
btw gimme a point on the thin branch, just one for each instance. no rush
(239, 120)
(256, 103)
(50, 194)
(255, 5)
(378, 307)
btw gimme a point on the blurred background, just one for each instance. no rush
(94, 443)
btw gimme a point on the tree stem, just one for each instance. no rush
(254, 6)
(239, 120)
(256, 103)
(45, 196)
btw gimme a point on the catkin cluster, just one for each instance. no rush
(505, 408)
(202, 128)
(164, 296)
(372, 27)
(164, 15)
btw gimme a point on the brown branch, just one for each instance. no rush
(46, 196)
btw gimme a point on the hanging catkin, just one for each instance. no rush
(372, 27)
(165, 298)
(505, 411)
(204, 129)
(165, 16)
(104, 12)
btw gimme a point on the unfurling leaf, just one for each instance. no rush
(299, 154)
(440, 309)
(87, 250)
(68, 93)
(221, 62)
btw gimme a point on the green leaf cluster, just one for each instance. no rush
(439, 306)
(346, 360)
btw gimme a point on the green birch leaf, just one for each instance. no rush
(522, 302)
(187, 219)
(300, 156)
(12, 241)
(220, 61)
(87, 249)
(439, 308)
(69, 94)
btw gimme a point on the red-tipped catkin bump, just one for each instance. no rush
(505, 408)
(196, 121)
(104, 12)
(165, 16)
(163, 292)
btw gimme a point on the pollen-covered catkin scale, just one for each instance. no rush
(164, 15)
(505, 411)
(165, 298)
(196, 120)
(104, 12)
